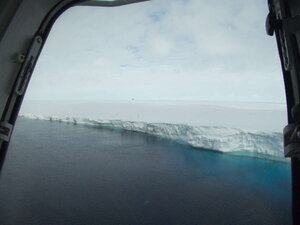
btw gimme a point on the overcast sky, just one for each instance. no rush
(174, 49)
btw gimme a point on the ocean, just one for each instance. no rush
(61, 173)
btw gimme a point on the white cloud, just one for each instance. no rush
(158, 46)
(161, 49)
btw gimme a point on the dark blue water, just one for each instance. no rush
(61, 174)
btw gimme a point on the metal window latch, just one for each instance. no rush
(28, 65)
(291, 134)
(291, 24)
(5, 131)
(272, 24)
(277, 20)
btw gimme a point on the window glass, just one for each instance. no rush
(161, 112)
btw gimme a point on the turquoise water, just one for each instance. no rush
(58, 173)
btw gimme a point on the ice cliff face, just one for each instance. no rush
(223, 139)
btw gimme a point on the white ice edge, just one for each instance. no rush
(266, 145)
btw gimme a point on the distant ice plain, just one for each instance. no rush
(268, 117)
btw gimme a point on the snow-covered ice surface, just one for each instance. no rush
(248, 129)
(242, 115)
